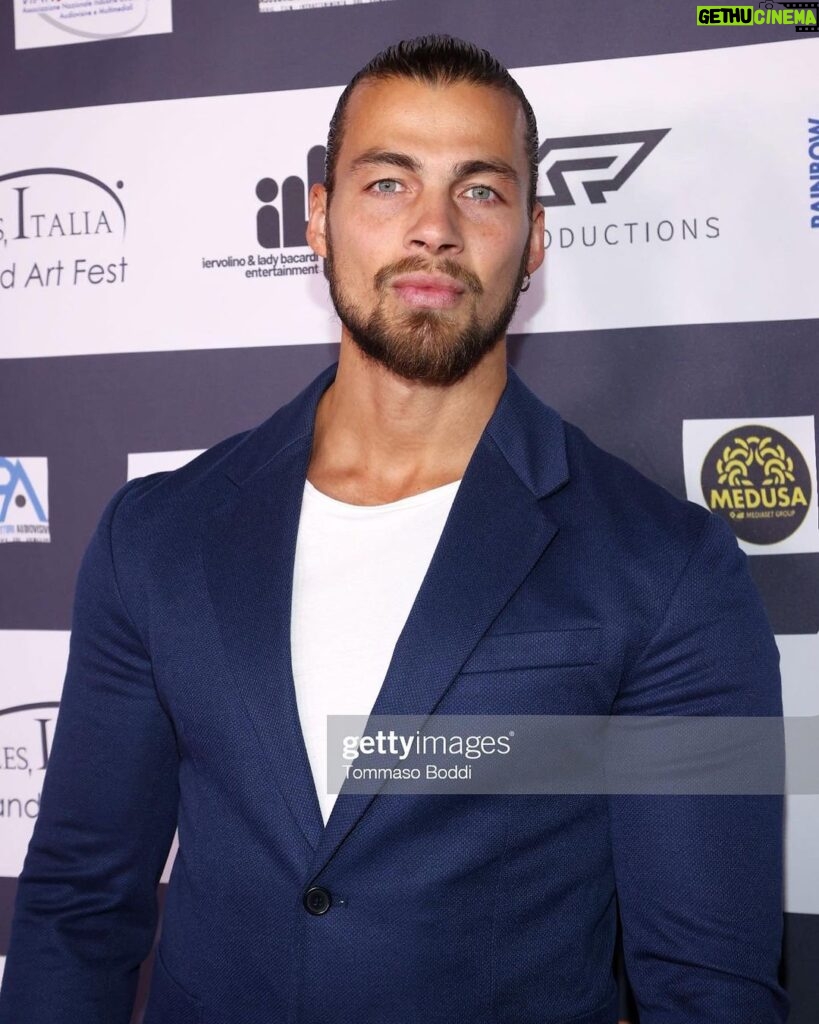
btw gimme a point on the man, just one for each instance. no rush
(415, 518)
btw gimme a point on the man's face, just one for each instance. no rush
(427, 236)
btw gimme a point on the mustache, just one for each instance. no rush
(419, 265)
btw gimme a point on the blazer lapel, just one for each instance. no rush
(495, 532)
(248, 551)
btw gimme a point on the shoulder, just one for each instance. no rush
(621, 500)
(184, 496)
(170, 503)
(638, 540)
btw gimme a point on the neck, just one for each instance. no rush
(379, 438)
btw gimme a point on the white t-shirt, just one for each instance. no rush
(357, 572)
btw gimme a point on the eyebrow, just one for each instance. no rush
(465, 169)
(498, 167)
(383, 156)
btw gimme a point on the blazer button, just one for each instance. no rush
(317, 900)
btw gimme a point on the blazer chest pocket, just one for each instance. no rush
(168, 1002)
(555, 648)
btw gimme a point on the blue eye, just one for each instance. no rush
(483, 193)
(386, 186)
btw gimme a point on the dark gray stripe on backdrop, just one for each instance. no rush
(628, 389)
(218, 48)
(8, 890)
(799, 974)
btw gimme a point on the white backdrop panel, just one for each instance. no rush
(734, 166)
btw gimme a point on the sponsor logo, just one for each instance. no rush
(598, 163)
(584, 170)
(813, 168)
(269, 6)
(804, 16)
(280, 224)
(275, 229)
(58, 22)
(633, 232)
(24, 500)
(758, 479)
(46, 214)
(759, 475)
(26, 732)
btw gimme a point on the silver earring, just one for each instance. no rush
(527, 280)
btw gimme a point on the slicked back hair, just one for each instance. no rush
(437, 60)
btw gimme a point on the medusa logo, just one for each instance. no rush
(759, 480)
(24, 500)
(597, 163)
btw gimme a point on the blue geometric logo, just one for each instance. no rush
(18, 478)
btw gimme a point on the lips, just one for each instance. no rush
(430, 291)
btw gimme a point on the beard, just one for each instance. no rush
(428, 345)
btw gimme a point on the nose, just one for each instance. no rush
(434, 227)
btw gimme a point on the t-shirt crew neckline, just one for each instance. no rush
(434, 494)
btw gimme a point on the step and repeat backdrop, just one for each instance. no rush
(157, 293)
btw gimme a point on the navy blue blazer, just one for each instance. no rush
(564, 582)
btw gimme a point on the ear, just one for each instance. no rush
(537, 239)
(317, 220)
